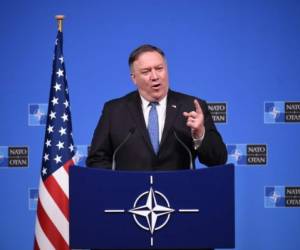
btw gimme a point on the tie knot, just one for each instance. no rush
(153, 104)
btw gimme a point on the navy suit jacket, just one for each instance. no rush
(124, 116)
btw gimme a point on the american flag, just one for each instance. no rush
(52, 220)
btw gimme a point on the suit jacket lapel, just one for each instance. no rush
(135, 108)
(172, 109)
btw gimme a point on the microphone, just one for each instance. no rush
(131, 131)
(186, 148)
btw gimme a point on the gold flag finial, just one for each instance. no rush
(59, 19)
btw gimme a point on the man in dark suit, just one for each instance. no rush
(155, 128)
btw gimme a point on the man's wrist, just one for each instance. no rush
(198, 141)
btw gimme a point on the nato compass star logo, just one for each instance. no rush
(37, 114)
(81, 152)
(274, 112)
(237, 154)
(3, 156)
(151, 210)
(149, 207)
(274, 197)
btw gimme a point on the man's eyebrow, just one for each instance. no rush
(144, 69)
(147, 68)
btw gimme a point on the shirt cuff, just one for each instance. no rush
(198, 142)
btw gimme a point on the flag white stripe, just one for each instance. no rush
(41, 238)
(54, 212)
(62, 177)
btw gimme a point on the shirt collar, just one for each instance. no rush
(145, 103)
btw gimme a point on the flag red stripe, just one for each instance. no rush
(58, 195)
(50, 229)
(68, 164)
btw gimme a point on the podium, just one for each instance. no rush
(185, 209)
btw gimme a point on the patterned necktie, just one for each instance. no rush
(153, 126)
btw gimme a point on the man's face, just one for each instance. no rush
(150, 75)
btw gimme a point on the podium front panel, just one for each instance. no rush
(185, 209)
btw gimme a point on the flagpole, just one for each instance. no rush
(59, 19)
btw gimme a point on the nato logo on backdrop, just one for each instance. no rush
(3, 156)
(282, 196)
(281, 112)
(81, 153)
(37, 114)
(247, 154)
(13, 156)
(218, 111)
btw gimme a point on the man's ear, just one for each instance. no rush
(132, 76)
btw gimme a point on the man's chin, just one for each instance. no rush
(158, 96)
(154, 96)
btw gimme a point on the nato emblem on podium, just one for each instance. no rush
(152, 210)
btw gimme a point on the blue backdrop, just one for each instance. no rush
(242, 53)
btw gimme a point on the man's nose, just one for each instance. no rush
(154, 75)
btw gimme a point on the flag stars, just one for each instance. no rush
(64, 117)
(52, 115)
(57, 86)
(62, 131)
(46, 157)
(71, 147)
(54, 100)
(50, 129)
(48, 143)
(60, 73)
(66, 103)
(60, 145)
(44, 171)
(57, 159)
(61, 59)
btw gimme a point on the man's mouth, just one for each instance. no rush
(156, 86)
